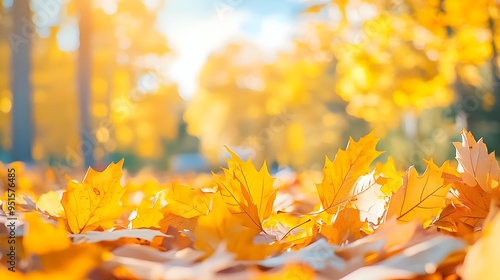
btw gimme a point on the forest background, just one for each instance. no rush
(166, 84)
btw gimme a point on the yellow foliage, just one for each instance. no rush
(248, 193)
(43, 238)
(340, 175)
(94, 202)
(419, 198)
(233, 221)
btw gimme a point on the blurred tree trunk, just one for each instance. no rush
(495, 71)
(22, 111)
(84, 80)
(495, 88)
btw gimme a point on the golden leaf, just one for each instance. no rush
(148, 214)
(347, 227)
(187, 202)
(420, 198)
(341, 174)
(95, 201)
(392, 177)
(42, 237)
(221, 226)
(248, 193)
(50, 203)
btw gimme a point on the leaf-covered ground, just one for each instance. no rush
(359, 219)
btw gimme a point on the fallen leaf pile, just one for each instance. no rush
(359, 219)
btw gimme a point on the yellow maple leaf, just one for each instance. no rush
(222, 226)
(213, 228)
(50, 203)
(476, 166)
(148, 214)
(143, 186)
(95, 202)
(248, 193)
(187, 202)
(216, 226)
(341, 174)
(420, 198)
(390, 177)
(42, 237)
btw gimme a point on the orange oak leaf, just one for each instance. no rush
(248, 193)
(95, 202)
(341, 174)
(476, 166)
(420, 198)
